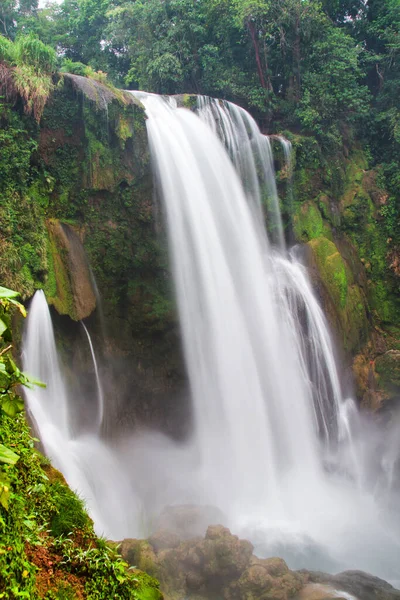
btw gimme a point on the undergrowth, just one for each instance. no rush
(27, 68)
(48, 548)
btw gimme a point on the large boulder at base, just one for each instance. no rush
(221, 566)
(265, 579)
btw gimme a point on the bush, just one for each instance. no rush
(30, 51)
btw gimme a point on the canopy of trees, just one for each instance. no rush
(330, 68)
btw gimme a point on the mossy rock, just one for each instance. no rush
(332, 269)
(308, 222)
(388, 368)
(343, 298)
(140, 554)
(69, 287)
(266, 579)
(147, 587)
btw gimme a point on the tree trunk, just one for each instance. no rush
(252, 31)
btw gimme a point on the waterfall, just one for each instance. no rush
(48, 405)
(288, 156)
(90, 466)
(251, 154)
(275, 445)
(273, 433)
(100, 393)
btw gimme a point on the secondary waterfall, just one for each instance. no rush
(90, 466)
(274, 445)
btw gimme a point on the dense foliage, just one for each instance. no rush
(329, 68)
(324, 72)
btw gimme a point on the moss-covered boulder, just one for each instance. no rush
(218, 565)
(140, 554)
(267, 579)
(69, 284)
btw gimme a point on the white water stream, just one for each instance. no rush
(275, 445)
(100, 392)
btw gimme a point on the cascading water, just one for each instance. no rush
(274, 445)
(269, 412)
(90, 466)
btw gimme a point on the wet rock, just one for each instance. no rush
(225, 556)
(220, 565)
(74, 295)
(359, 584)
(266, 579)
(388, 368)
(96, 91)
(140, 554)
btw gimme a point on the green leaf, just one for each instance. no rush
(7, 294)
(20, 307)
(12, 406)
(3, 327)
(4, 490)
(7, 456)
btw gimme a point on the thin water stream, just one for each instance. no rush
(100, 392)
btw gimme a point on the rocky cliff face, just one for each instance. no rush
(342, 215)
(79, 221)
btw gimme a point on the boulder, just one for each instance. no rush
(266, 579)
(362, 586)
(140, 554)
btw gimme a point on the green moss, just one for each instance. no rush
(50, 286)
(45, 521)
(331, 268)
(124, 129)
(189, 101)
(362, 221)
(59, 280)
(69, 513)
(346, 298)
(308, 223)
(388, 368)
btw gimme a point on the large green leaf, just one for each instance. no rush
(7, 294)
(12, 405)
(8, 456)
